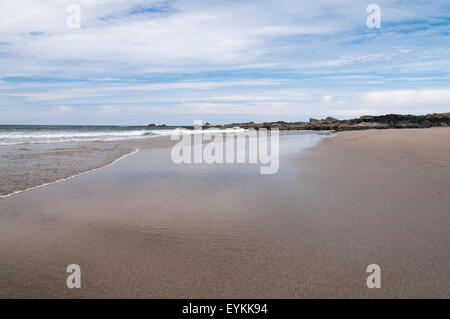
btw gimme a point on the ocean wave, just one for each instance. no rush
(44, 137)
(68, 140)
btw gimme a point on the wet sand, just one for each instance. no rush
(148, 228)
(30, 165)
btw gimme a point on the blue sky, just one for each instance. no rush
(136, 62)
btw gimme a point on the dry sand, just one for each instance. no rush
(147, 228)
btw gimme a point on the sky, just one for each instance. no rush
(134, 62)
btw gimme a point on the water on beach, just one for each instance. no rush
(36, 155)
(141, 215)
(146, 227)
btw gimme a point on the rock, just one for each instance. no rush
(330, 119)
(155, 125)
(362, 123)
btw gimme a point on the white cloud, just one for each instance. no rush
(274, 57)
(90, 91)
(191, 32)
(62, 109)
(355, 112)
(327, 98)
(293, 30)
(408, 97)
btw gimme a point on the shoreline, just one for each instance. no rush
(147, 228)
(122, 148)
(26, 167)
(70, 177)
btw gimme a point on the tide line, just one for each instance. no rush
(70, 177)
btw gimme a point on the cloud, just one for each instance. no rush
(408, 97)
(355, 112)
(89, 92)
(327, 98)
(274, 58)
(62, 109)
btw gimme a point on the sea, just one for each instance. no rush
(39, 134)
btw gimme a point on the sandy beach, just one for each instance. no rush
(147, 228)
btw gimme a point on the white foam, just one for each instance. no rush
(111, 139)
(48, 134)
(46, 137)
(203, 131)
(19, 138)
(70, 177)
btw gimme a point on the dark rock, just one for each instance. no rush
(362, 123)
(156, 125)
(330, 119)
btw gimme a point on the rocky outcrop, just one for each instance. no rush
(361, 123)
